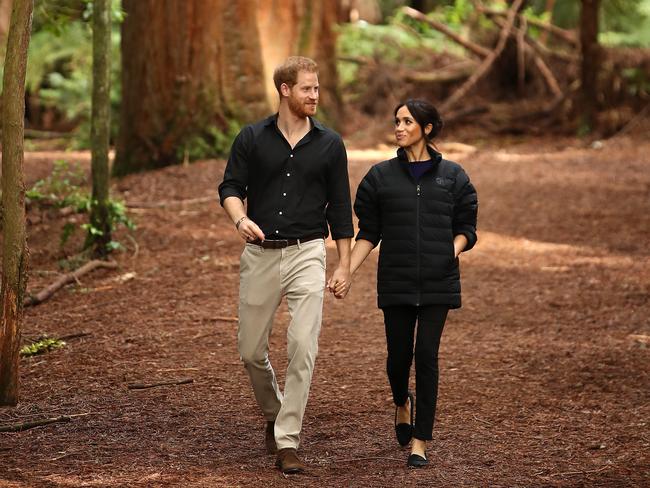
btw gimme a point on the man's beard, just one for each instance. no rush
(299, 109)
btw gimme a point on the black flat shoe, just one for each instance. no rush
(416, 461)
(404, 432)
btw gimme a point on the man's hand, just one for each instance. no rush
(339, 283)
(249, 231)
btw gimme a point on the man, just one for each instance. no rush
(293, 171)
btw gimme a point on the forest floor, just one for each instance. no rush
(544, 371)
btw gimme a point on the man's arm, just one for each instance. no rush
(339, 283)
(248, 230)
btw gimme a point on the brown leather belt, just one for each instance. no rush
(282, 243)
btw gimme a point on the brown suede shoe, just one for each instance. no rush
(269, 438)
(288, 461)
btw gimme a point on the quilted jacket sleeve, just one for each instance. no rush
(465, 209)
(367, 209)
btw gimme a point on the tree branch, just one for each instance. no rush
(487, 62)
(469, 45)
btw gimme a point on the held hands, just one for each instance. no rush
(340, 282)
(248, 230)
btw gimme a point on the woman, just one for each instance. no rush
(423, 210)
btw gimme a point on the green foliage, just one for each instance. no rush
(212, 142)
(386, 42)
(41, 346)
(117, 217)
(622, 22)
(59, 68)
(627, 27)
(637, 81)
(63, 188)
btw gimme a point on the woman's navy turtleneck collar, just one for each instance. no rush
(435, 155)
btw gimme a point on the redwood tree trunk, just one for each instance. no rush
(99, 235)
(307, 30)
(189, 68)
(14, 247)
(590, 62)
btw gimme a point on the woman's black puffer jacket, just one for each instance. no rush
(416, 222)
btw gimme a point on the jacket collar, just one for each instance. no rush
(435, 155)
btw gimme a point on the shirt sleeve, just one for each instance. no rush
(235, 177)
(366, 207)
(465, 209)
(339, 206)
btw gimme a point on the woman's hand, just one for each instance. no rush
(460, 242)
(339, 283)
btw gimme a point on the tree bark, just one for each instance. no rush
(100, 130)
(307, 30)
(190, 67)
(14, 251)
(591, 54)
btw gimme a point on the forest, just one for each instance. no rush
(120, 270)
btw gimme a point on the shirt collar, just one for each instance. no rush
(273, 119)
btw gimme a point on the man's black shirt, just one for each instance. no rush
(292, 193)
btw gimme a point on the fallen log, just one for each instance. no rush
(43, 295)
(455, 72)
(465, 112)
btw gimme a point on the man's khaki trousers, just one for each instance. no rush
(267, 275)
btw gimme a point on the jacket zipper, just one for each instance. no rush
(417, 242)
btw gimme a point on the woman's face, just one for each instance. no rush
(407, 131)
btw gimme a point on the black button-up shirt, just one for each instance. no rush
(292, 193)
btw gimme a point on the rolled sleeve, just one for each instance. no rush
(235, 177)
(366, 207)
(339, 206)
(465, 209)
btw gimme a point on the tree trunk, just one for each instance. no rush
(590, 50)
(99, 235)
(307, 30)
(5, 17)
(14, 247)
(190, 68)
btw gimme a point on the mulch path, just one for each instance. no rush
(544, 371)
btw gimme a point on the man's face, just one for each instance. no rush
(303, 96)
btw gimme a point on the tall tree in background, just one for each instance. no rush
(99, 233)
(192, 67)
(307, 30)
(189, 68)
(14, 247)
(590, 62)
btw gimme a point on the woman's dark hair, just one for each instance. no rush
(424, 114)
